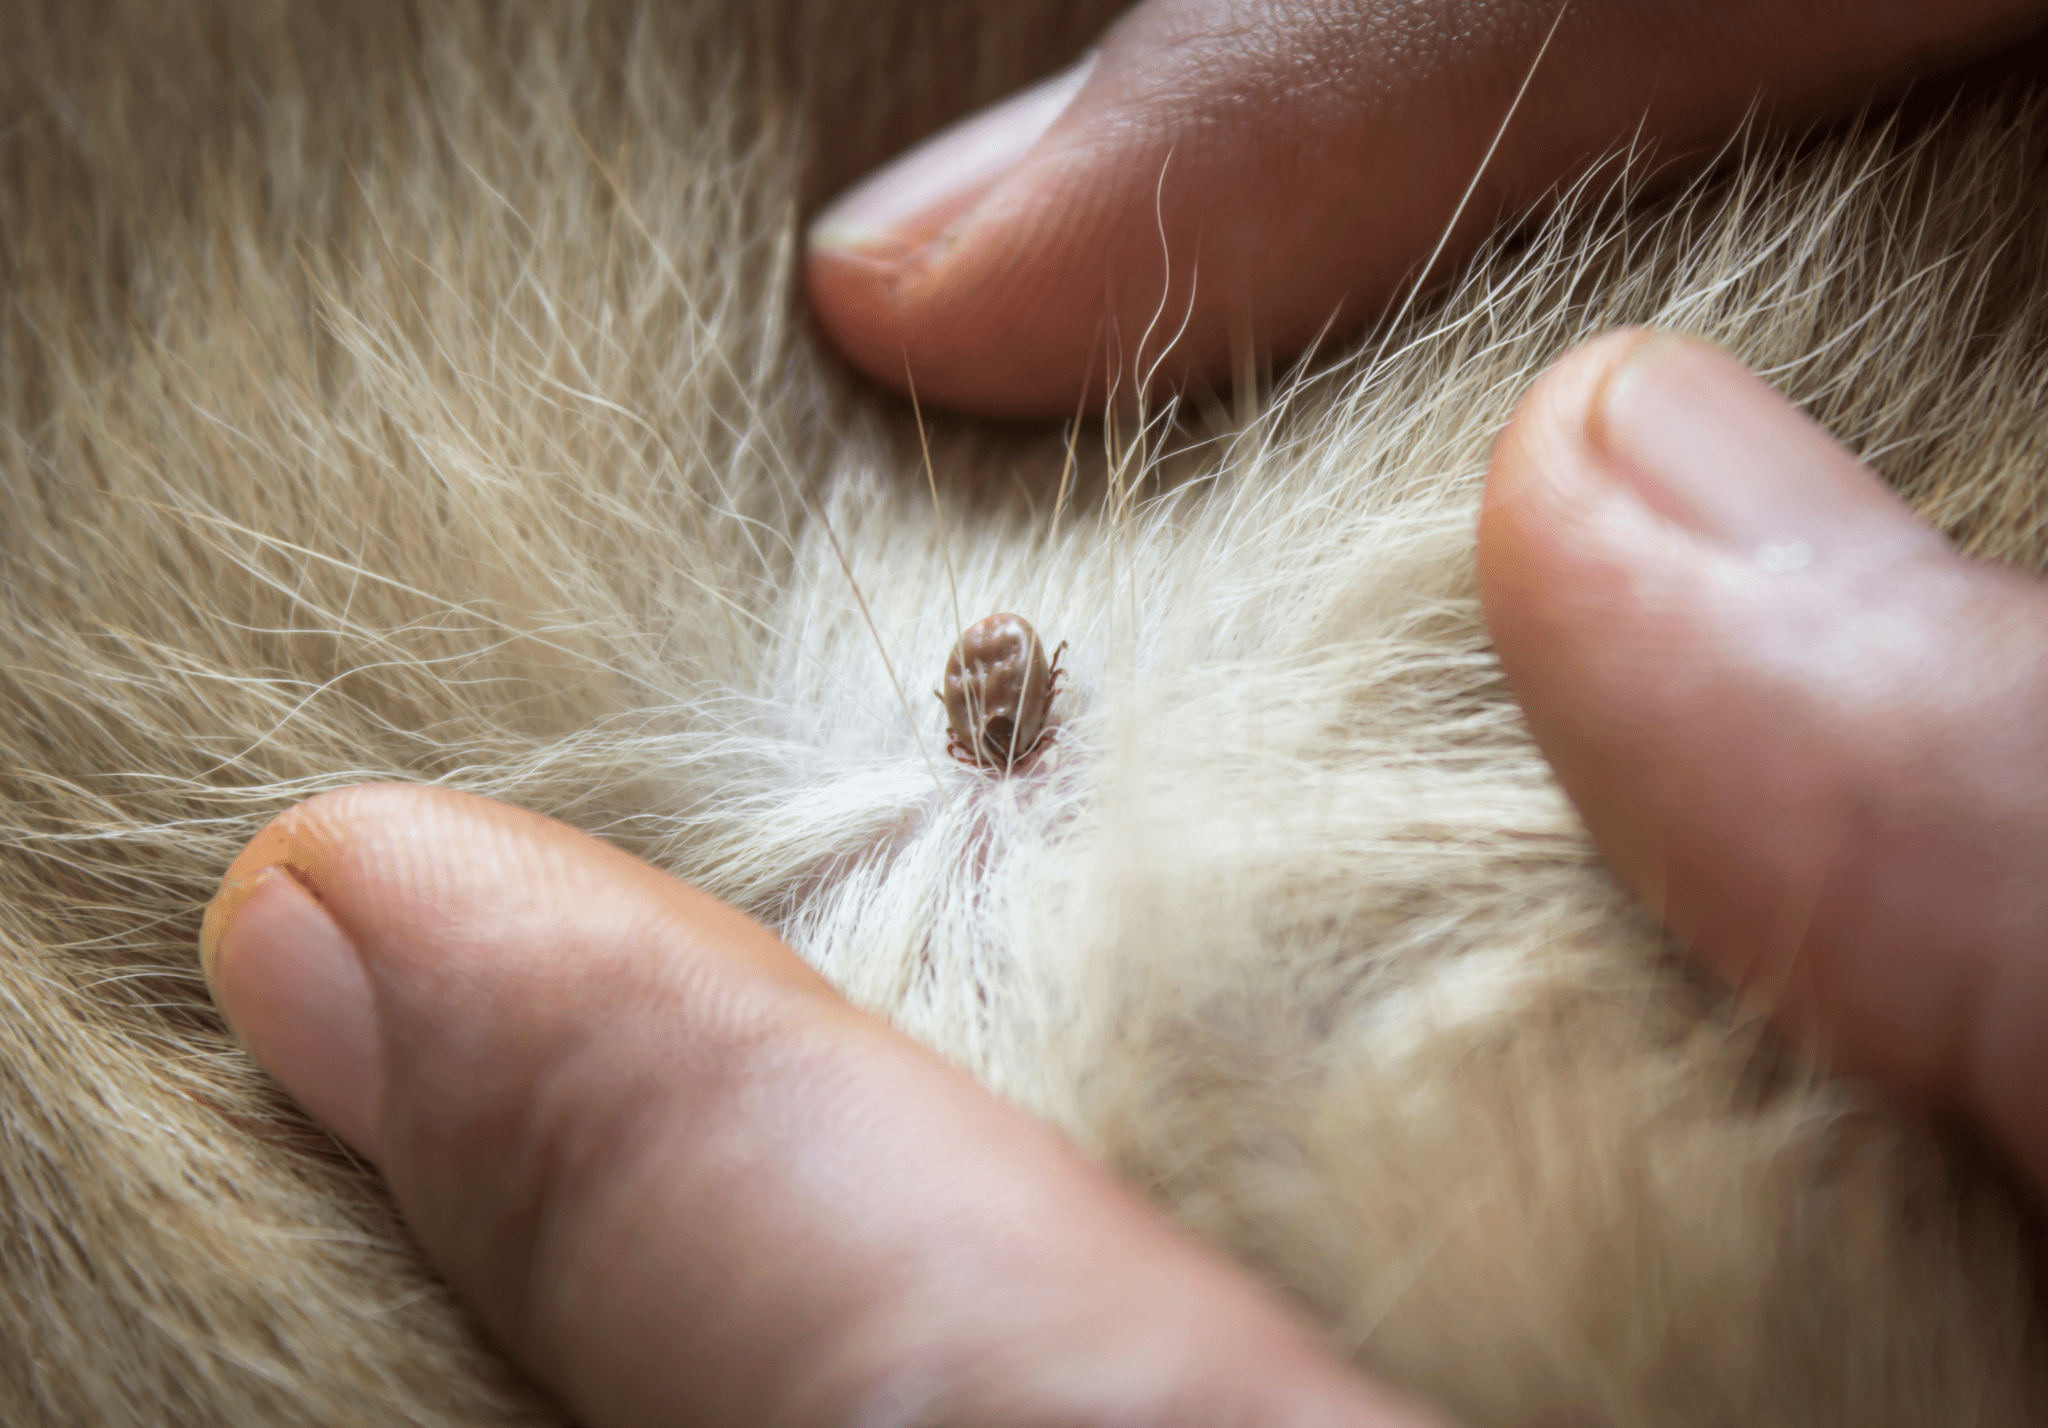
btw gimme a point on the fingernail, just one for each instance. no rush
(914, 199)
(292, 986)
(1711, 446)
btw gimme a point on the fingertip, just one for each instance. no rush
(1551, 441)
(1783, 707)
(287, 973)
(1545, 467)
(881, 271)
(910, 201)
(292, 986)
(1003, 321)
(293, 843)
(853, 299)
(1558, 537)
(424, 877)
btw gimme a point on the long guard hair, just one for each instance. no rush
(419, 391)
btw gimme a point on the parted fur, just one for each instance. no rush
(420, 392)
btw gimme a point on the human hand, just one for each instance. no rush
(1245, 171)
(1805, 728)
(670, 1168)
(683, 1181)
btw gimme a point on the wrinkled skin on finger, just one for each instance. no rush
(679, 1175)
(1225, 180)
(1827, 773)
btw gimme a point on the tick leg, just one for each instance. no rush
(960, 752)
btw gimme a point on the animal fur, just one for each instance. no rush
(397, 391)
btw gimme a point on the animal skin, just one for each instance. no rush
(421, 392)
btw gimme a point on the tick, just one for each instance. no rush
(998, 691)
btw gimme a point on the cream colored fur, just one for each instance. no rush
(422, 393)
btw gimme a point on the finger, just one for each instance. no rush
(680, 1178)
(1803, 726)
(1228, 176)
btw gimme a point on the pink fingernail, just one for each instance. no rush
(1714, 448)
(915, 198)
(292, 985)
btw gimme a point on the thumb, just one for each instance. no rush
(1801, 724)
(1227, 177)
(680, 1178)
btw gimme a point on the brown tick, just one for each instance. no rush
(998, 691)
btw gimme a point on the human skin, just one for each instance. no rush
(1801, 724)
(677, 1174)
(1223, 180)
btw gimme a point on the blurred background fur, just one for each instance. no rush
(421, 391)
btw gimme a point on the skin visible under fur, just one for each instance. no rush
(420, 394)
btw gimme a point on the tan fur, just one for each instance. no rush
(421, 393)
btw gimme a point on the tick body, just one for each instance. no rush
(998, 691)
